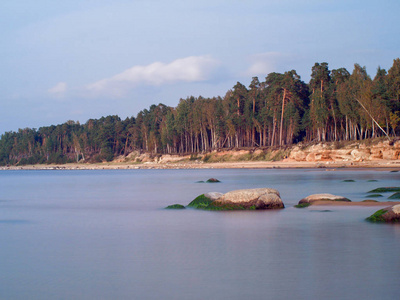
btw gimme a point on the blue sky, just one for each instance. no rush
(75, 60)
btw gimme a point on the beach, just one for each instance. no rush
(187, 164)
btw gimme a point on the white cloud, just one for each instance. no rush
(189, 69)
(265, 63)
(58, 90)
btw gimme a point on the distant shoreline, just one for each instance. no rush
(393, 165)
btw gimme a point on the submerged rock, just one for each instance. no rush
(175, 206)
(322, 197)
(212, 180)
(389, 214)
(261, 198)
(395, 196)
(385, 190)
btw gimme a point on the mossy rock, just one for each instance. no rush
(303, 205)
(385, 190)
(212, 180)
(389, 214)
(206, 203)
(377, 216)
(226, 206)
(175, 206)
(349, 180)
(395, 196)
(200, 202)
(375, 195)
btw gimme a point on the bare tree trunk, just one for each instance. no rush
(283, 110)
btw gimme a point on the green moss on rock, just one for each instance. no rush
(303, 205)
(201, 202)
(377, 216)
(375, 195)
(395, 196)
(175, 206)
(385, 190)
(205, 203)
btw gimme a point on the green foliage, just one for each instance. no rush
(281, 154)
(385, 190)
(334, 106)
(175, 206)
(349, 180)
(377, 216)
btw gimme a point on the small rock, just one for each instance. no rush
(211, 180)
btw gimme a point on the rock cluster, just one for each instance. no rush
(261, 198)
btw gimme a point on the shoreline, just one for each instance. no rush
(284, 164)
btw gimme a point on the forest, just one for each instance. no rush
(282, 110)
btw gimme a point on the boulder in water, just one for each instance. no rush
(389, 214)
(212, 180)
(261, 198)
(321, 197)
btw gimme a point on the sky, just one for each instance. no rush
(77, 60)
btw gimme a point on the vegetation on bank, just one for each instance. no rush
(335, 106)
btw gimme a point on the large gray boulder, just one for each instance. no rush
(322, 197)
(261, 198)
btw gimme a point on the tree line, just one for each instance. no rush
(335, 105)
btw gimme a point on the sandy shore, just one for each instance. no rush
(285, 164)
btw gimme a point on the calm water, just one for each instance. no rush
(104, 235)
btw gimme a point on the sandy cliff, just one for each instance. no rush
(354, 152)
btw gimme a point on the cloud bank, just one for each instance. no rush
(58, 90)
(189, 69)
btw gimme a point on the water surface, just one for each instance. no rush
(105, 235)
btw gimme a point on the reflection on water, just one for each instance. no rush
(104, 235)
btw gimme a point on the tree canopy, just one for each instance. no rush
(281, 110)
